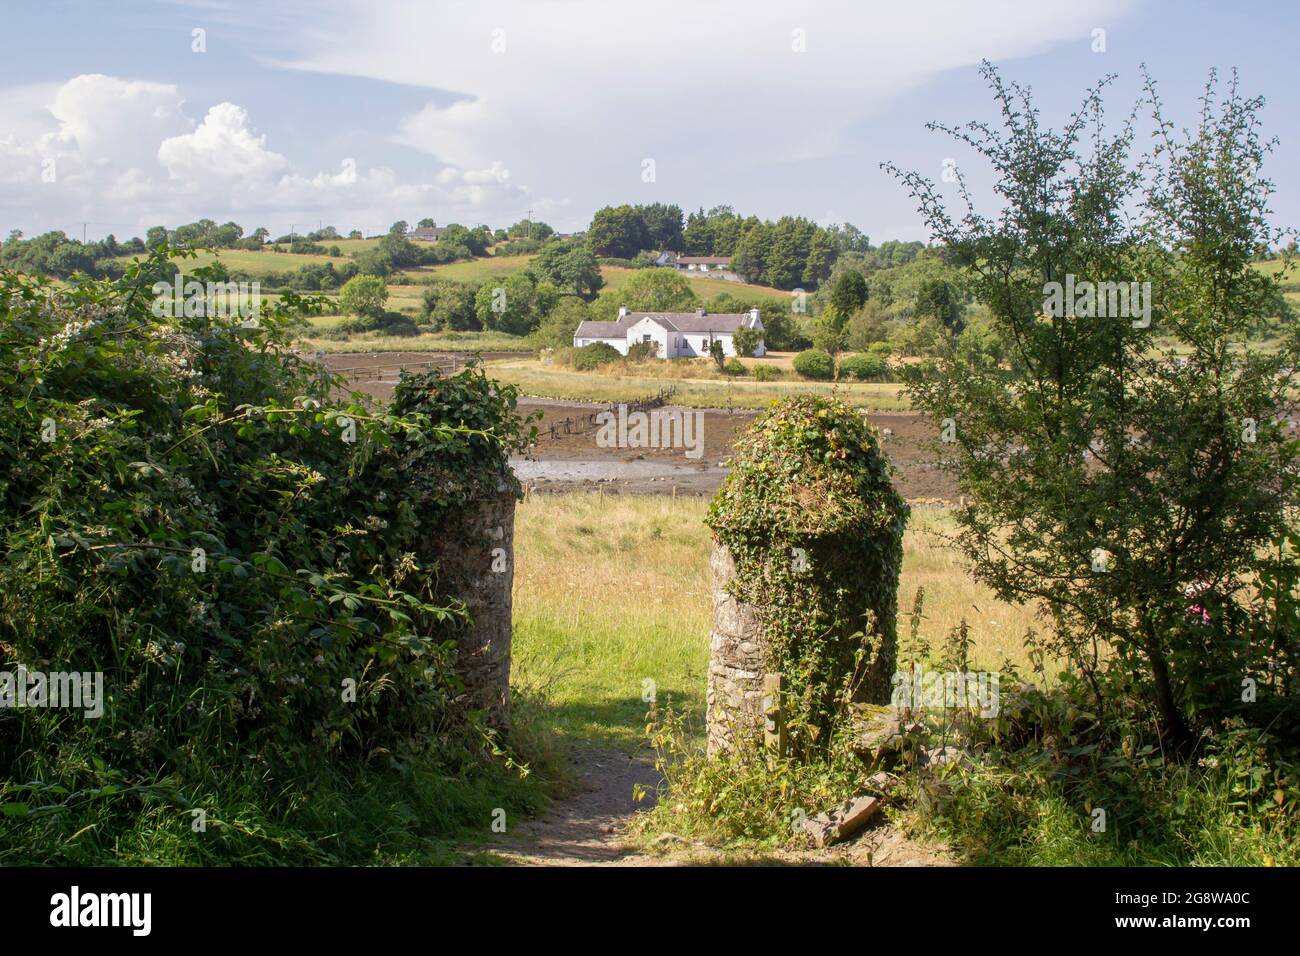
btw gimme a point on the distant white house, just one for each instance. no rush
(426, 233)
(702, 263)
(676, 334)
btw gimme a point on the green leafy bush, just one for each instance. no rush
(735, 367)
(595, 355)
(746, 340)
(815, 364)
(364, 296)
(864, 368)
(1127, 474)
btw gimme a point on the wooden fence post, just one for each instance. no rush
(774, 732)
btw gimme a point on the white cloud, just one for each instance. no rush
(104, 148)
(222, 147)
(556, 104)
(109, 121)
(574, 93)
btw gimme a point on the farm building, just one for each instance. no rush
(677, 334)
(426, 233)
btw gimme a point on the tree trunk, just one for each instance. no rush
(1174, 729)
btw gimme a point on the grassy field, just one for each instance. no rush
(256, 263)
(589, 644)
(695, 385)
(428, 342)
(615, 278)
(405, 298)
(587, 639)
(1290, 282)
(481, 270)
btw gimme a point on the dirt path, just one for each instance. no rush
(591, 829)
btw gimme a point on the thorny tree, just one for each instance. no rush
(1125, 471)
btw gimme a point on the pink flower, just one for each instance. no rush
(1192, 592)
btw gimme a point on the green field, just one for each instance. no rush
(617, 277)
(256, 264)
(266, 261)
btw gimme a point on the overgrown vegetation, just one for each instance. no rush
(191, 511)
(1128, 477)
(1126, 486)
(815, 528)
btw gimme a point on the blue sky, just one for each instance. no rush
(359, 113)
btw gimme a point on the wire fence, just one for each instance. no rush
(577, 424)
(384, 371)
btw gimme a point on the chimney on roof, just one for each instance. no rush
(622, 312)
(700, 311)
(753, 315)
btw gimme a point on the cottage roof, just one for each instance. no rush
(602, 330)
(720, 322)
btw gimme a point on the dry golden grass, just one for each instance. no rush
(697, 384)
(996, 629)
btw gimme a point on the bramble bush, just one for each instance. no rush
(196, 512)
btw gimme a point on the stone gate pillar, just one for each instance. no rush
(476, 564)
(735, 685)
(807, 551)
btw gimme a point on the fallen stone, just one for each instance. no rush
(883, 735)
(882, 781)
(844, 822)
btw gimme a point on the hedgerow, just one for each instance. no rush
(196, 512)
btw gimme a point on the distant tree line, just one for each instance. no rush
(790, 253)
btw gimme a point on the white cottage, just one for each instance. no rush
(676, 334)
(702, 263)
